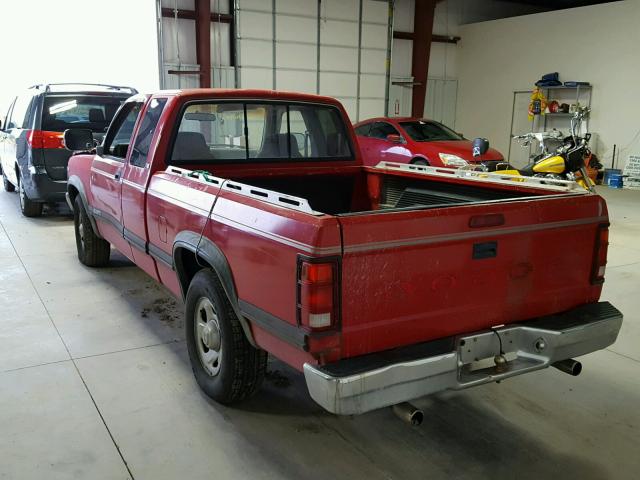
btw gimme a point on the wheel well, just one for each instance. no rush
(73, 193)
(187, 265)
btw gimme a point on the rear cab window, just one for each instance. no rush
(211, 132)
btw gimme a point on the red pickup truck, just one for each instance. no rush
(381, 284)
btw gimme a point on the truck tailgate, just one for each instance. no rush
(417, 275)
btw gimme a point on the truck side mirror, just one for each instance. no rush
(480, 146)
(78, 139)
(394, 138)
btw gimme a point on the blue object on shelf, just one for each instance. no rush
(608, 172)
(615, 180)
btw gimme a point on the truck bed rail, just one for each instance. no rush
(486, 177)
(269, 196)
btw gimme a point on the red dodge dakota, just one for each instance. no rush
(382, 284)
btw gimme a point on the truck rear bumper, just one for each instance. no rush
(361, 384)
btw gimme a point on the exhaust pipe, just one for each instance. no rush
(409, 413)
(570, 366)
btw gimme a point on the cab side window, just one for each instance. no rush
(146, 131)
(381, 130)
(117, 142)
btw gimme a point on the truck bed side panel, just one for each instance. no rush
(262, 243)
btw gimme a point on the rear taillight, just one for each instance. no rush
(44, 139)
(600, 255)
(317, 293)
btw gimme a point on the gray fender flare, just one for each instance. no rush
(212, 254)
(74, 181)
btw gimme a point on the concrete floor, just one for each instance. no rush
(95, 383)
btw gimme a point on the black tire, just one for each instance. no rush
(240, 366)
(28, 207)
(93, 251)
(8, 186)
(420, 161)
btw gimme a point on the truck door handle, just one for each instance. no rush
(117, 176)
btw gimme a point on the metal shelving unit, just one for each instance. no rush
(580, 94)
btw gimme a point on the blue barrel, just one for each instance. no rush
(608, 172)
(615, 180)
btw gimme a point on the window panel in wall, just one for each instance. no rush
(256, 77)
(339, 59)
(220, 47)
(338, 84)
(371, 108)
(181, 4)
(342, 33)
(258, 5)
(374, 11)
(220, 6)
(296, 56)
(255, 25)
(255, 53)
(296, 28)
(185, 44)
(340, 9)
(296, 81)
(296, 7)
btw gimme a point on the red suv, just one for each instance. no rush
(418, 141)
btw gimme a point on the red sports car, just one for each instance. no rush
(418, 141)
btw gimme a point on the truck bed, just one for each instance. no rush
(423, 256)
(365, 190)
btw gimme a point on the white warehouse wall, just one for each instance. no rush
(598, 44)
(298, 27)
(92, 41)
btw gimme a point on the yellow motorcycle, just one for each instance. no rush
(567, 162)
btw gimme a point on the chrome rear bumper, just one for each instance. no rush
(358, 385)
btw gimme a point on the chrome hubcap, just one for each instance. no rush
(207, 334)
(81, 232)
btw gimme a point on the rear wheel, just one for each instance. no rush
(8, 186)
(226, 366)
(93, 251)
(28, 207)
